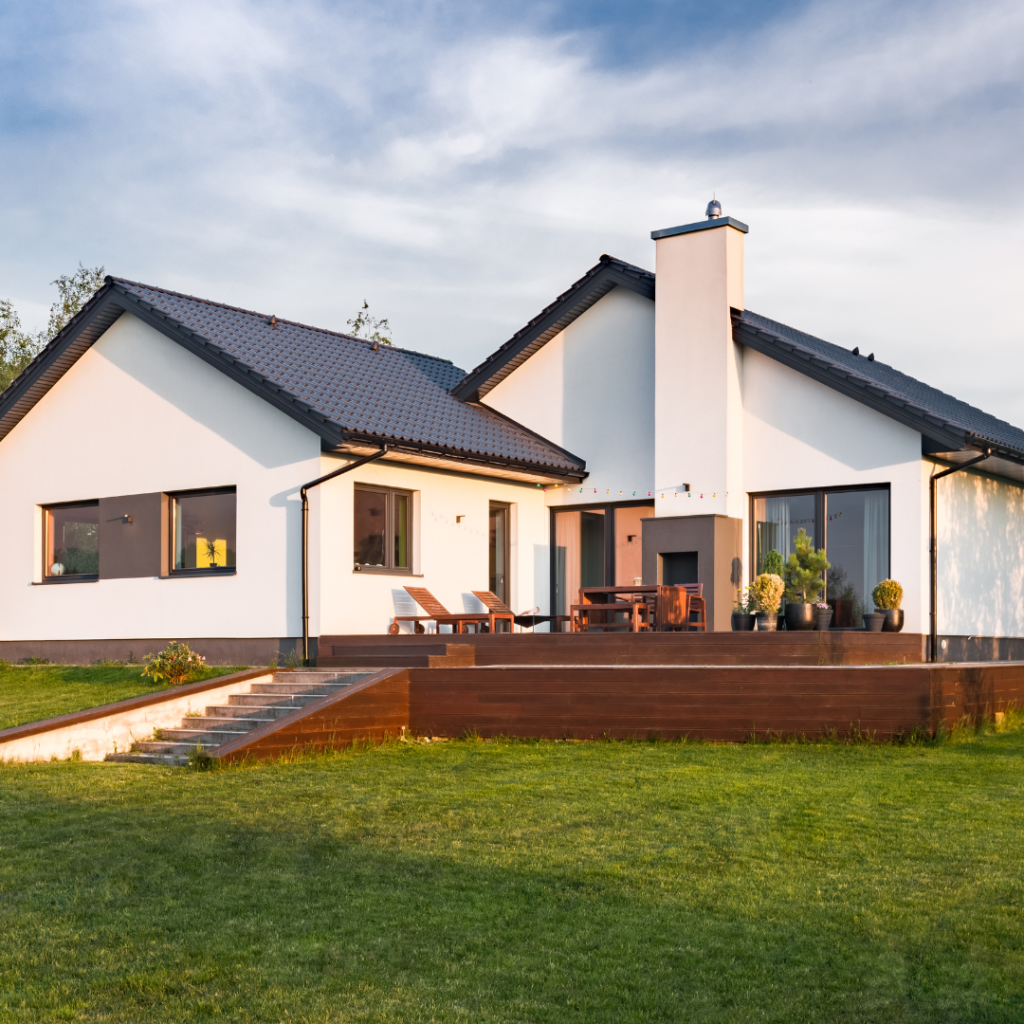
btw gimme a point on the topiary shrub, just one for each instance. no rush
(766, 592)
(887, 594)
(174, 664)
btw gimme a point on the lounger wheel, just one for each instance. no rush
(393, 629)
(419, 628)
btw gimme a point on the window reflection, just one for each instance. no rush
(777, 521)
(204, 530)
(857, 546)
(73, 541)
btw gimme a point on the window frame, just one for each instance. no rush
(388, 568)
(820, 515)
(199, 492)
(79, 577)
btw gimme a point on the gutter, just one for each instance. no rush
(305, 537)
(933, 545)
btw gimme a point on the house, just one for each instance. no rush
(162, 461)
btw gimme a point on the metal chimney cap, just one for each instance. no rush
(714, 210)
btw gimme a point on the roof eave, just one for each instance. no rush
(607, 274)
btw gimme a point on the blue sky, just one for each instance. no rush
(459, 164)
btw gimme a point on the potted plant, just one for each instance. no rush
(773, 565)
(743, 614)
(822, 616)
(766, 594)
(804, 582)
(888, 595)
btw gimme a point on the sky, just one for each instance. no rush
(459, 164)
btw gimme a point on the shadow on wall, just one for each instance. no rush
(981, 556)
(289, 501)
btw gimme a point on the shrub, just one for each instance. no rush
(887, 594)
(803, 571)
(175, 663)
(766, 592)
(744, 602)
(773, 563)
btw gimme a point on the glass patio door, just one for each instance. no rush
(498, 551)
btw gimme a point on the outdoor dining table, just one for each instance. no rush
(664, 607)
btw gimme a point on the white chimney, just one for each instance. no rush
(698, 416)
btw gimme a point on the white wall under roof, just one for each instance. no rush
(799, 434)
(590, 389)
(450, 558)
(981, 555)
(138, 413)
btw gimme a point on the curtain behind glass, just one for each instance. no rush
(777, 521)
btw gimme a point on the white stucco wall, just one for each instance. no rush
(590, 389)
(138, 413)
(981, 555)
(450, 558)
(801, 434)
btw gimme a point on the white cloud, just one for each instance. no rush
(300, 157)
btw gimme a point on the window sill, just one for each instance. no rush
(60, 580)
(191, 574)
(368, 570)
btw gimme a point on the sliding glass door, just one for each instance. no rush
(852, 525)
(498, 550)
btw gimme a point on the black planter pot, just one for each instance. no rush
(823, 619)
(766, 623)
(800, 616)
(873, 623)
(742, 623)
(893, 620)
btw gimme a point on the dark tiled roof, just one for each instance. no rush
(597, 282)
(934, 413)
(388, 395)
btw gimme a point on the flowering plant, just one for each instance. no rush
(821, 606)
(175, 663)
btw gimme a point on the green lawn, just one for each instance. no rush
(31, 692)
(521, 882)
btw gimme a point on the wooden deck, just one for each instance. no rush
(811, 648)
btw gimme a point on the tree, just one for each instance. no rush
(803, 571)
(362, 324)
(17, 347)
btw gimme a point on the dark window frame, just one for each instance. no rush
(608, 508)
(820, 516)
(78, 577)
(198, 492)
(389, 568)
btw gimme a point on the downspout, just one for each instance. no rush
(305, 537)
(933, 546)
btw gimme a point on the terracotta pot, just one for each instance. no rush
(800, 616)
(893, 620)
(822, 618)
(873, 623)
(742, 623)
(766, 623)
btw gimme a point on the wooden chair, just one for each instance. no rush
(672, 609)
(698, 607)
(436, 612)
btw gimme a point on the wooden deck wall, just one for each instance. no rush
(731, 703)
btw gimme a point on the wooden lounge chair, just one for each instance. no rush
(436, 612)
(494, 604)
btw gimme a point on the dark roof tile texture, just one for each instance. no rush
(896, 388)
(391, 394)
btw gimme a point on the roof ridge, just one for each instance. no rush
(267, 316)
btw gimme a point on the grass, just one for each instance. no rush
(32, 692)
(540, 882)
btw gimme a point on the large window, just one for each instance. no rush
(203, 531)
(72, 542)
(383, 529)
(852, 525)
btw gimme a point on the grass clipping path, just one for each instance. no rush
(504, 881)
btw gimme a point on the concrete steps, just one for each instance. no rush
(264, 703)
